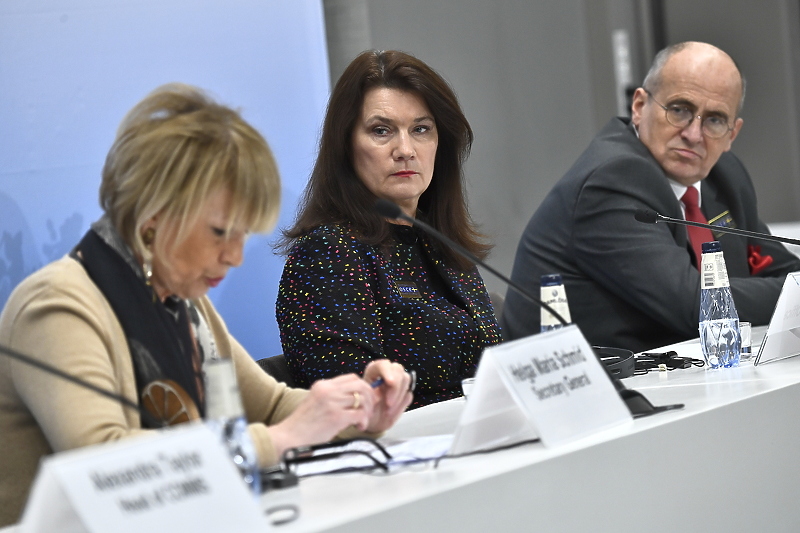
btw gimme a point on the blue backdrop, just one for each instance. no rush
(70, 70)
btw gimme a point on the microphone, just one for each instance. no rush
(125, 402)
(651, 217)
(391, 210)
(637, 404)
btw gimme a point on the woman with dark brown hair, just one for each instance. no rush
(358, 287)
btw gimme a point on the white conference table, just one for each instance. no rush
(726, 462)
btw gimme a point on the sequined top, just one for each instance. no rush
(342, 303)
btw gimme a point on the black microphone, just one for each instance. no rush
(391, 210)
(638, 405)
(125, 402)
(651, 217)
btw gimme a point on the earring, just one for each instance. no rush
(149, 236)
(147, 268)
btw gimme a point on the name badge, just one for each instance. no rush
(723, 220)
(408, 289)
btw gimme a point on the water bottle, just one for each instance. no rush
(225, 416)
(554, 295)
(720, 338)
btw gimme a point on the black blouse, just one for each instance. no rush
(343, 303)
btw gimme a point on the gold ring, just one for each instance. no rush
(356, 401)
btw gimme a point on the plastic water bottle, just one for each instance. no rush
(720, 338)
(225, 416)
(554, 295)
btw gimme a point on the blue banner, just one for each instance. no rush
(71, 69)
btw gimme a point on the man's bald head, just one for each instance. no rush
(653, 79)
(687, 112)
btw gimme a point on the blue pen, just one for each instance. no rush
(378, 382)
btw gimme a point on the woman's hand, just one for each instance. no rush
(336, 404)
(392, 396)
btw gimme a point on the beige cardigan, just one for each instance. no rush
(60, 316)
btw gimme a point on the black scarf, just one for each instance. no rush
(158, 334)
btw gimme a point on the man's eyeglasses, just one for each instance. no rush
(681, 116)
(367, 454)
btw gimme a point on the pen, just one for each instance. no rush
(378, 382)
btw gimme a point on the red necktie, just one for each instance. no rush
(697, 236)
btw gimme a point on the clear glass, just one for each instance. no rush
(466, 386)
(745, 330)
(720, 341)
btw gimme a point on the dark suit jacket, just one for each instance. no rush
(634, 285)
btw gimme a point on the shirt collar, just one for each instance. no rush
(680, 190)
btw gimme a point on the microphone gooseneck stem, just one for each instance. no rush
(733, 231)
(469, 255)
(28, 360)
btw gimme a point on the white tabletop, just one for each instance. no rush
(726, 462)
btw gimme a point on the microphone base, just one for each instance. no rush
(620, 363)
(640, 407)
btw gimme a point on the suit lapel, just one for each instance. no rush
(720, 214)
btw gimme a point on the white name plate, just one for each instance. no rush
(783, 335)
(179, 480)
(550, 384)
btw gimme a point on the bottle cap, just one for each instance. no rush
(549, 280)
(712, 246)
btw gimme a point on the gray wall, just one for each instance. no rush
(536, 80)
(764, 38)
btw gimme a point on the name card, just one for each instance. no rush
(550, 384)
(179, 480)
(783, 335)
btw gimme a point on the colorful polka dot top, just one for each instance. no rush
(342, 303)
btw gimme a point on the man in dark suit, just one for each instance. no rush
(634, 285)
